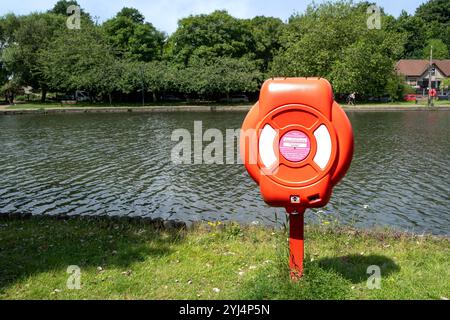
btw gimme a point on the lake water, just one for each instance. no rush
(119, 164)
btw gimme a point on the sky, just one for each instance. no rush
(164, 14)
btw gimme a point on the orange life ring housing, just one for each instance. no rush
(302, 146)
(433, 92)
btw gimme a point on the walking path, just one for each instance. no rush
(6, 110)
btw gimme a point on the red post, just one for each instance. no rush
(296, 244)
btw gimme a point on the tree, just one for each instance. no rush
(435, 10)
(3, 78)
(266, 32)
(61, 8)
(440, 50)
(81, 60)
(20, 57)
(332, 40)
(314, 40)
(364, 68)
(155, 77)
(8, 25)
(221, 75)
(132, 38)
(9, 89)
(213, 55)
(208, 36)
(161, 76)
(436, 30)
(436, 14)
(415, 30)
(133, 14)
(396, 87)
(445, 85)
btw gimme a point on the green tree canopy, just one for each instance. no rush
(363, 68)
(435, 10)
(62, 5)
(81, 60)
(436, 14)
(209, 36)
(415, 30)
(332, 40)
(314, 40)
(220, 75)
(440, 50)
(8, 24)
(32, 34)
(131, 13)
(132, 38)
(213, 55)
(266, 33)
(155, 77)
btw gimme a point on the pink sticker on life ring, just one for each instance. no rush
(295, 146)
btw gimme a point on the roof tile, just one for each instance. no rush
(416, 68)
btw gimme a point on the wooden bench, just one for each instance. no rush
(68, 102)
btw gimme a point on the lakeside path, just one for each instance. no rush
(7, 110)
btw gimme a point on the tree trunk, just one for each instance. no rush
(44, 94)
(110, 98)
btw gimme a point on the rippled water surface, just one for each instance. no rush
(119, 164)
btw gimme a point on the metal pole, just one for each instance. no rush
(296, 244)
(430, 103)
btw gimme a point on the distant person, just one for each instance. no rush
(10, 97)
(352, 99)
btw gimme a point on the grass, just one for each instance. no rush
(403, 103)
(133, 260)
(55, 105)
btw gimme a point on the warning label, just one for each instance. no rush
(295, 146)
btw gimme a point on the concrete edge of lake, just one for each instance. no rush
(238, 108)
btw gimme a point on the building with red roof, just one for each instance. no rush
(416, 73)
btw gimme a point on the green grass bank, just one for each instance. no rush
(33, 108)
(135, 260)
